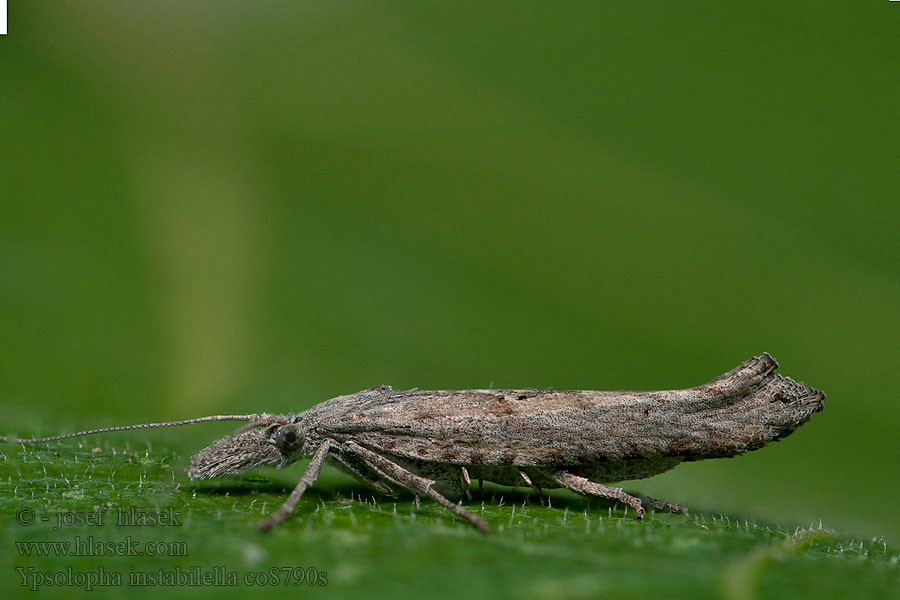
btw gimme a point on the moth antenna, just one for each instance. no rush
(53, 438)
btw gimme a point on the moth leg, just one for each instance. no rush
(449, 480)
(359, 470)
(263, 420)
(466, 482)
(527, 480)
(657, 504)
(588, 487)
(418, 484)
(309, 476)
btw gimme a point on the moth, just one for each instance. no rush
(435, 443)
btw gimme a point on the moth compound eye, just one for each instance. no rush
(289, 438)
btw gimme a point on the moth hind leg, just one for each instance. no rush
(662, 505)
(585, 486)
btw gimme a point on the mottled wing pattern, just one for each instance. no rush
(736, 412)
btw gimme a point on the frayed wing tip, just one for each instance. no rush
(768, 362)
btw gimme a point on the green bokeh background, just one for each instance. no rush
(215, 207)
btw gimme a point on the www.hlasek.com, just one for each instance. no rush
(195, 575)
(88, 546)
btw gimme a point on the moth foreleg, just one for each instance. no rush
(418, 484)
(309, 476)
(586, 486)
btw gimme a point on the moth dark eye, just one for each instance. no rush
(289, 438)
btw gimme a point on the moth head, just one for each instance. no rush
(288, 439)
(277, 441)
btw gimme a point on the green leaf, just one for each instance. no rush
(565, 546)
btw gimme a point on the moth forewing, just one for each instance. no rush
(737, 412)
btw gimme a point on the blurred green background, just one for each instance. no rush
(217, 207)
